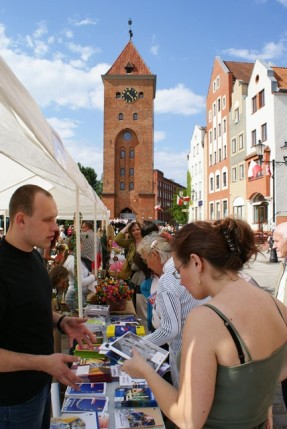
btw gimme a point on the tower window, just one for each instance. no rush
(129, 67)
(132, 172)
(122, 186)
(121, 116)
(131, 186)
(135, 116)
(118, 95)
(122, 172)
(141, 95)
(127, 135)
(122, 154)
(132, 154)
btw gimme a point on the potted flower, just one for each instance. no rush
(113, 292)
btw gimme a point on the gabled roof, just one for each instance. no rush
(129, 57)
(240, 71)
(280, 74)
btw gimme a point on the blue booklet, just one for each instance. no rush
(135, 396)
(87, 389)
(73, 404)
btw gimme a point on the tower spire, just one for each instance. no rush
(130, 30)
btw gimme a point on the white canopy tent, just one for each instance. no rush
(32, 152)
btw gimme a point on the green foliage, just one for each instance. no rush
(91, 177)
(180, 216)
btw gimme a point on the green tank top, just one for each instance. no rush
(244, 393)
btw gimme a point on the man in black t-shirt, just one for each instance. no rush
(27, 360)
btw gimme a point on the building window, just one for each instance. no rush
(254, 104)
(211, 184)
(214, 133)
(127, 136)
(210, 136)
(131, 186)
(264, 132)
(132, 154)
(217, 181)
(122, 172)
(135, 116)
(118, 95)
(219, 155)
(224, 152)
(214, 86)
(121, 116)
(224, 102)
(224, 179)
(122, 154)
(217, 82)
(233, 145)
(218, 105)
(236, 115)
(211, 211)
(241, 171)
(210, 160)
(141, 94)
(224, 125)
(224, 207)
(214, 109)
(260, 214)
(253, 138)
(238, 212)
(209, 116)
(240, 142)
(217, 210)
(233, 174)
(219, 130)
(132, 172)
(122, 186)
(261, 99)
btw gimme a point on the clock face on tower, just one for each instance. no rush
(129, 95)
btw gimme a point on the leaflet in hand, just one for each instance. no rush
(154, 354)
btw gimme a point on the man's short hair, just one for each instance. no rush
(23, 200)
(88, 223)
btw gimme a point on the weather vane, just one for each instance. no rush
(130, 30)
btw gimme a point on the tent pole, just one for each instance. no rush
(78, 251)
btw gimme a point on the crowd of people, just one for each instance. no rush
(226, 336)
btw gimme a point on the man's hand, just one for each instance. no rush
(75, 329)
(56, 365)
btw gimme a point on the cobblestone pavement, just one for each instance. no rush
(265, 273)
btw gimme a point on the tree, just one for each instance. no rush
(91, 177)
(178, 211)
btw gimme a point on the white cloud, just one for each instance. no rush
(65, 127)
(159, 136)
(85, 51)
(283, 2)
(86, 21)
(154, 47)
(270, 51)
(179, 100)
(175, 163)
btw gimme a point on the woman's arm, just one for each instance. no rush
(189, 407)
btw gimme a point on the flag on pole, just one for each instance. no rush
(268, 171)
(186, 199)
(253, 169)
(158, 207)
(179, 200)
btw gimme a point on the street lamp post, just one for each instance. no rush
(259, 147)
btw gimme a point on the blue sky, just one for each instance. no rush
(60, 48)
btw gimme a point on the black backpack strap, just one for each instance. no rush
(232, 333)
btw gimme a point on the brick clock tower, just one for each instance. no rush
(129, 92)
